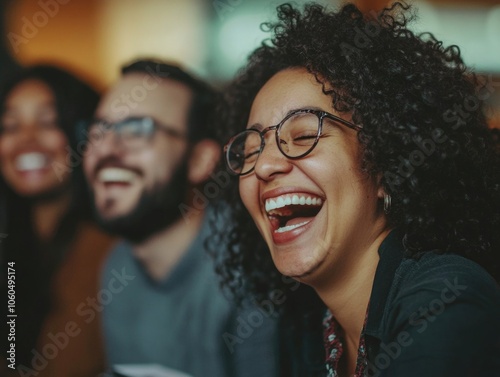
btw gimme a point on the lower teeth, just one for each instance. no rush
(290, 227)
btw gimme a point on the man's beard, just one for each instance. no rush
(156, 209)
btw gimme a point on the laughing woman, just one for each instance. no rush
(362, 157)
(50, 240)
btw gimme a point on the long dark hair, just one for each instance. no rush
(36, 262)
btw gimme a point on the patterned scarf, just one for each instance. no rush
(334, 347)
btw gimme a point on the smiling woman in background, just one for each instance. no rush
(367, 185)
(55, 249)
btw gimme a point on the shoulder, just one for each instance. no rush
(437, 274)
(444, 288)
(442, 318)
(121, 250)
(120, 257)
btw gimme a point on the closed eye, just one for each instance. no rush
(305, 137)
(250, 155)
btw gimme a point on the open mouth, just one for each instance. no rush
(292, 211)
(114, 175)
(31, 161)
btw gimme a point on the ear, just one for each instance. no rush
(380, 191)
(204, 157)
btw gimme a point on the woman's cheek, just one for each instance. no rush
(6, 144)
(248, 195)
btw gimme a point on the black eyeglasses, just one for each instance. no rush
(133, 133)
(296, 136)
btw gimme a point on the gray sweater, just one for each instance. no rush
(183, 322)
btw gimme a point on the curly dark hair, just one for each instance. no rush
(424, 132)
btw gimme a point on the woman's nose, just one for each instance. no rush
(271, 161)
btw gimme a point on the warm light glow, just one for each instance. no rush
(173, 30)
(95, 37)
(61, 32)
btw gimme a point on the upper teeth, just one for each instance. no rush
(31, 161)
(295, 199)
(115, 175)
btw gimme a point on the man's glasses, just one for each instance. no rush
(132, 133)
(296, 136)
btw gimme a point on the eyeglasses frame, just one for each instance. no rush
(109, 126)
(321, 114)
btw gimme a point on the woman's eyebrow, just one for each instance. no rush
(255, 126)
(304, 108)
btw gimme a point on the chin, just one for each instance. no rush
(295, 265)
(40, 192)
(29, 192)
(111, 207)
(111, 214)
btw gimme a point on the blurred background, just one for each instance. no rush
(93, 38)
